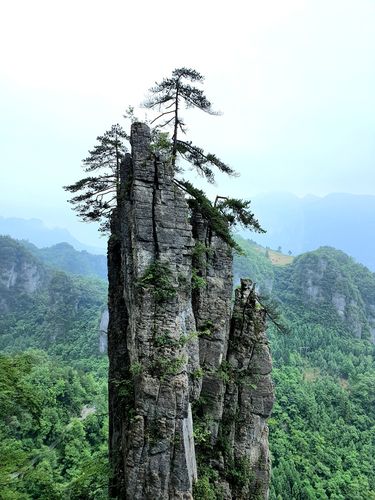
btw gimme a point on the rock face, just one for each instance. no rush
(329, 280)
(171, 342)
(249, 397)
(212, 261)
(20, 273)
(18, 269)
(103, 328)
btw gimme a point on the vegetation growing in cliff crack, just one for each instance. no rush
(164, 366)
(196, 280)
(205, 329)
(136, 368)
(157, 278)
(238, 472)
(201, 432)
(197, 373)
(200, 251)
(125, 387)
(225, 372)
(204, 487)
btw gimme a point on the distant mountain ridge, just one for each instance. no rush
(66, 258)
(35, 231)
(340, 220)
(343, 221)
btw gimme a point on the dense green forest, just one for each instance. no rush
(53, 426)
(322, 431)
(53, 407)
(53, 379)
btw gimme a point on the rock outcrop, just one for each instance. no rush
(248, 398)
(103, 328)
(329, 280)
(20, 273)
(178, 362)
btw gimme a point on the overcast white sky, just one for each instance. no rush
(295, 80)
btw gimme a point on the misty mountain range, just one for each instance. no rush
(37, 233)
(343, 221)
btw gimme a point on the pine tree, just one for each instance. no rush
(98, 194)
(169, 97)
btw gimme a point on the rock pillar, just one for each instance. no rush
(185, 376)
(152, 342)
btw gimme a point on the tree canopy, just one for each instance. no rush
(168, 97)
(97, 196)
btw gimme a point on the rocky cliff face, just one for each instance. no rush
(330, 281)
(20, 272)
(178, 362)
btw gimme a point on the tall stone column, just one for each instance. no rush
(152, 346)
(173, 343)
(212, 262)
(248, 399)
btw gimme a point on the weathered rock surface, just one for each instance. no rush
(212, 310)
(170, 343)
(155, 240)
(249, 397)
(103, 328)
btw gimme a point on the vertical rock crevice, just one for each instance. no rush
(173, 346)
(120, 393)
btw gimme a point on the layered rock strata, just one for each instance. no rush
(248, 398)
(170, 342)
(153, 347)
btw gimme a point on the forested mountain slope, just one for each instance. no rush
(66, 258)
(322, 433)
(53, 401)
(45, 308)
(330, 289)
(53, 436)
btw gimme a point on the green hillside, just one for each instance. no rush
(44, 308)
(322, 431)
(53, 400)
(53, 428)
(53, 381)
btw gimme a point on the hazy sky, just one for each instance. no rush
(294, 79)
